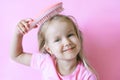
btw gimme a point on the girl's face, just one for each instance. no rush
(62, 40)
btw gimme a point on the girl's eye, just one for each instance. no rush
(57, 40)
(70, 35)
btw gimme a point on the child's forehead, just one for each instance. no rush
(59, 28)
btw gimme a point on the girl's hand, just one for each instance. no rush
(24, 26)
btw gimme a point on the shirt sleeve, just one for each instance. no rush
(87, 74)
(92, 77)
(37, 60)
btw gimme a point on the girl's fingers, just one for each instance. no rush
(20, 30)
(25, 25)
(21, 27)
(29, 20)
(31, 25)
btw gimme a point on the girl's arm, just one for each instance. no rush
(17, 53)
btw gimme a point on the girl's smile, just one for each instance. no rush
(69, 49)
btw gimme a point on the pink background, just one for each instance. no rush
(98, 19)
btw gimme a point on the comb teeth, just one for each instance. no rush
(48, 16)
(50, 12)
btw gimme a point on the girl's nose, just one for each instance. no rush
(66, 42)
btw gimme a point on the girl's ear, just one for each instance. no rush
(48, 49)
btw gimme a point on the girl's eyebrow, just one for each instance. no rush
(70, 30)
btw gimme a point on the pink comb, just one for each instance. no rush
(47, 13)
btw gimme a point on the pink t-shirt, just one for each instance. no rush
(46, 65)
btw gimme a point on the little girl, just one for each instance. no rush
(60, 46)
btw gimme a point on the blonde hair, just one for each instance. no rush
(42, 41)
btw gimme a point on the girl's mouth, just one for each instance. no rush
(69, 49)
